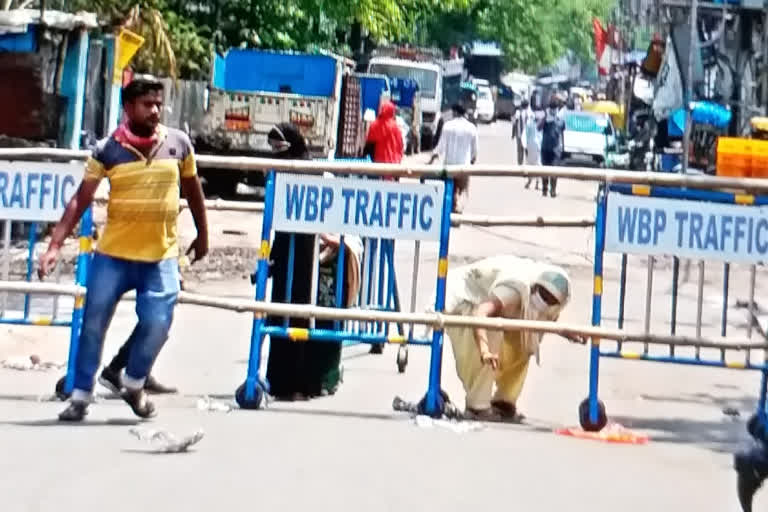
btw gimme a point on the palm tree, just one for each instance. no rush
(144, 17)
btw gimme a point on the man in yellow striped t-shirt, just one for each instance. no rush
(144, 163)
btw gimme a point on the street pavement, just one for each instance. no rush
(351, 451)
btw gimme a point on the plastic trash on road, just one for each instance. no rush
(29, 363)
(206, 403)
(165, 442)
(457, 427)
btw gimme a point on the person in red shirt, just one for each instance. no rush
(385, 141)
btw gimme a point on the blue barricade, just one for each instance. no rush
(35, 193)
(376, 210)
(378, 289)
(690, 224)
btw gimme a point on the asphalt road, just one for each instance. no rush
(350, 451)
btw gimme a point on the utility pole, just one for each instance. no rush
(688, 96)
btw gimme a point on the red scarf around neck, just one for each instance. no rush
(124, 135)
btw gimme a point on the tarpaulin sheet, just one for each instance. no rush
(253, 70)
(24, 42)
(370, 92)
(219, 71)
(403, 91)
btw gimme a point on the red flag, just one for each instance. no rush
(601, 42)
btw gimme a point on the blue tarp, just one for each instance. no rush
(371, 88)
(255, 70)
(403, 91)
(219, 71)
(25, 42)
(704, 112)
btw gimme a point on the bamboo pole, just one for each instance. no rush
(522, 221)
(461, 219)
(434, 320)
(251, 164)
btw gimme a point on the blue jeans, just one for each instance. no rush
(157, 287)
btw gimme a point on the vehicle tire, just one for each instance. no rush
(409, 146)
(426, 142)
(221, 184)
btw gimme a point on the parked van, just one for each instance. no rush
(588, 134)
(486, 109)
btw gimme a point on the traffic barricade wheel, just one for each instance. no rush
(756, 428)
(60, 393)
(255, 403)
(586, 424)
(402, 359)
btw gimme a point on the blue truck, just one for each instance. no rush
(252, 90)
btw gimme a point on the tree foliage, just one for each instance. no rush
(532, 33)
(173, 45)
(180, 34)
(572, 24)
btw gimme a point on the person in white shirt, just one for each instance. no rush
(518, 131)
(566, 105)
(458, 146)
(533, 143)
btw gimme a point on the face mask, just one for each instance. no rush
(538, 304)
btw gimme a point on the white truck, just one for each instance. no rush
(253, 90)
(426, 67)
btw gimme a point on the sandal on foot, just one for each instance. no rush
(140, 406)
(507, 411)
(489, 415)
(75, 412)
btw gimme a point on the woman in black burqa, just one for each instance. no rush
(301, 370)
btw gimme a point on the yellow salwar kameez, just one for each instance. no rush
(510, 280)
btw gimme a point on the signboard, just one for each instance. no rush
(37, 191)
(691, 229)
(352, 206)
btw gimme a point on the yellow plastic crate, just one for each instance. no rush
(759, 159)
(734, 157)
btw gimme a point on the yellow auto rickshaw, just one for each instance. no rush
(607, 107)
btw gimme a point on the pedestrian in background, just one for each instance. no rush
(552, 128)
(519, 122)
(144, 162)
(532, 143)
(458, 146)
(384, 142)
